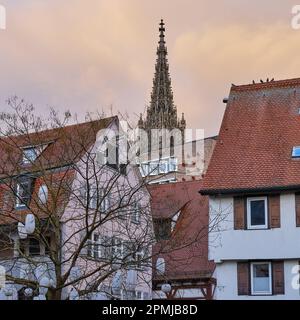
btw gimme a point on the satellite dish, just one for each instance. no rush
(117, 283)
(30, 223)
(160, 266)
(22, 231)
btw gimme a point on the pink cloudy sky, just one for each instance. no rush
(86, 55)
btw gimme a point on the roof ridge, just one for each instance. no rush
(266, 85)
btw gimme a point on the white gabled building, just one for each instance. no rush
(253, 183)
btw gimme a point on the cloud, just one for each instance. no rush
(87, 55)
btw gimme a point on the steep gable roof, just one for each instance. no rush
(186, 252)
(260, 126)
(64, 146)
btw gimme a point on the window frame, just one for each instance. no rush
(294, 149)
(36, 151)
(261, 293)
(97, 247)
(34, 250)
(173, 164)
(29, 160)
(163, 166)
(257, 227)
(136, 214)
(23, 202)
(153, 168)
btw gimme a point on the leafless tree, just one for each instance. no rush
(93, 229)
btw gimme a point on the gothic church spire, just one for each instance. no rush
(162, 113)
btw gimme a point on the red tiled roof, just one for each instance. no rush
(65, 145)
(260, 126)
(186, 252)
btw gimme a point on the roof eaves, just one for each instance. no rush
(254, 190)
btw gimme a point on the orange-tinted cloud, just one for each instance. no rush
(88, 55)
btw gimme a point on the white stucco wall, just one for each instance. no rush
(226, 274)
(225, 243)
(227, 246)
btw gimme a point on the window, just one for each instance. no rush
(172, 146)
(134, 254)
(144, 168)
(105, 201)
(98, 247)
(153, 168)
(173, 164)
(138, 257)
(296, 152)
(257, 213)
(30, 154)
(95, 246)
(134, 295)
(117, 248)
(94, 200)
(23, 192)
(261, 280)
(163, 166)
(136, 213)
(34, 247)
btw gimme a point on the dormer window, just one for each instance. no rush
(296, 152)
(30, 154)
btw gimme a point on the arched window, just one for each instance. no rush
(172, 146)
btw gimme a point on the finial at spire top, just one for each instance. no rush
(162, 29)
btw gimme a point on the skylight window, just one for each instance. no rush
(296, 152)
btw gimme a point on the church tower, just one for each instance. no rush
(162, 113)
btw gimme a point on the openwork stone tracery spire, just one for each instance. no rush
(162, 113)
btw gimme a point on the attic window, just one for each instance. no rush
(30, 154)
(296, 152)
